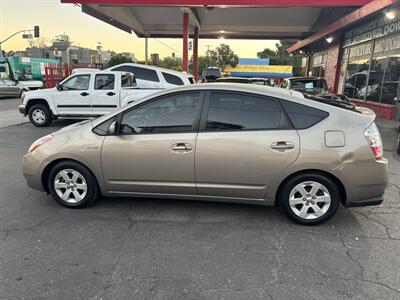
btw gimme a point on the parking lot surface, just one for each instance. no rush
(166, 249)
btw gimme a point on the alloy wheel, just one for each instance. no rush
(70, 186)
(309, 200)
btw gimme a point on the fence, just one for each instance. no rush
(55, 73)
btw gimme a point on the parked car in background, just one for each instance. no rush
(210, 74)
(251, 145)
(258, 81)
(11, 88)
(384, 92)
(313, 86)
(94, 93)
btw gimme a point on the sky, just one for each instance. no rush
(55, 18)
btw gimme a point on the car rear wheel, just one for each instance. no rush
(40, 115)
(310, 199)
(73, 185)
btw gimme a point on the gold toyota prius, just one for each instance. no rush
(219, 142)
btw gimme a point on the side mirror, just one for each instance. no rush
(112, 130)
(59, 87)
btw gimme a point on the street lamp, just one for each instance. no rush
(35, 30)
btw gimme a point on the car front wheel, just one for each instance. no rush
(73, 185)
(40, 115)
(309, 199)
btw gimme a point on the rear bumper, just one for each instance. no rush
(22, 109)
(366, 202)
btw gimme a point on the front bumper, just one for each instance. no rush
(32, 170)
(22, 109)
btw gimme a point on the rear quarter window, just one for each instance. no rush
(303, 116)
(172, 79)
(140, 73)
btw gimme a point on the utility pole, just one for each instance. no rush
(99, 48)
(208, 54)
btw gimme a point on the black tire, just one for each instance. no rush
(328, 183)
(45, 110)
(92, 192)
(398, 145)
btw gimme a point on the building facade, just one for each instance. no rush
(361, 59)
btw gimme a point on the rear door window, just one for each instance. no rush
(303, 116)
(104, 82)
(239, 111)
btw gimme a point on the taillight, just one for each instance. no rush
(374, 140)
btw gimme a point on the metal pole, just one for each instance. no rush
(146, 51)
(185, 56)
(196, 54)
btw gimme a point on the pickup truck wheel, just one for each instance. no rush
(40, 115)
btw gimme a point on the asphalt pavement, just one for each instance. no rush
(166, 249)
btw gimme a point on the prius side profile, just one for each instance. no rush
(218, 142)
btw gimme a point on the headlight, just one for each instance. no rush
(40, 142)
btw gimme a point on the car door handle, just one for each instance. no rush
(282, 145)
(182, 147)
(84, 94)
(110, 94)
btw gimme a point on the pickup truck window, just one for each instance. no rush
(128, 81)
(77, 83)
(104, 82)
(140, 73)
(172, 79)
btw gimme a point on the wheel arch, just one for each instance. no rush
(34, 101)
(339, 184)
(46, 172)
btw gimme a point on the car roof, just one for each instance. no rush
(150, 67)
(262, 90)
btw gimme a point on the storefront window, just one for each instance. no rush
(318, 64)
(357, 70)
(385, 70)
(382, 72)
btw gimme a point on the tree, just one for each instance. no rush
(119, 59)
(281, 56)
(224, 55)
(63, 39)
(40, 42)
(171, 63)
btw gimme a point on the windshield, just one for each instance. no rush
(309, 84)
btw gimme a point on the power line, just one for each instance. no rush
(165, 45)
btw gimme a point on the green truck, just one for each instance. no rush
(25, 69)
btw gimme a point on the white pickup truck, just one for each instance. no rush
(95, 93)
